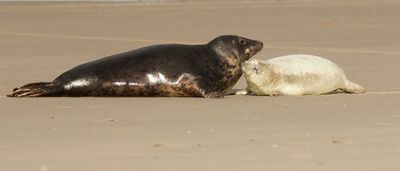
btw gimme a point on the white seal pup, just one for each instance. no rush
(296, 75)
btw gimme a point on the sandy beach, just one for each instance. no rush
(340, 132)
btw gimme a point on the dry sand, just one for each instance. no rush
(38, 41)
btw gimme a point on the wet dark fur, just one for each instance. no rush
(210, 73)
(186, 88)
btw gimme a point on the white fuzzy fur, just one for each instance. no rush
(296, 75)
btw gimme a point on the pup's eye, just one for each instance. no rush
(242, 42)
(255, 70)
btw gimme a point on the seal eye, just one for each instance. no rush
(242, 42)
(255, 70)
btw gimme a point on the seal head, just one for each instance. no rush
(234, 51)
(235, 46)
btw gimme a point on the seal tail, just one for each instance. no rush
(353, 88)
(37, 89)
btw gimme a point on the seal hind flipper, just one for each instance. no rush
(37, 89)
(352, 88)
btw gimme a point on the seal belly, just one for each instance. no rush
(157, 85)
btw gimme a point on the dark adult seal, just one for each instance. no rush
(207, 70)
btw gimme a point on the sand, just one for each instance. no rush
(38, 41)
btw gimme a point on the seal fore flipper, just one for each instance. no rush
(37, 89)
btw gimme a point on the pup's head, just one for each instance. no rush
(255, 71)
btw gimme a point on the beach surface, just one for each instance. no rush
(340, 132)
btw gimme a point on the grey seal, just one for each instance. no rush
(175, 70)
